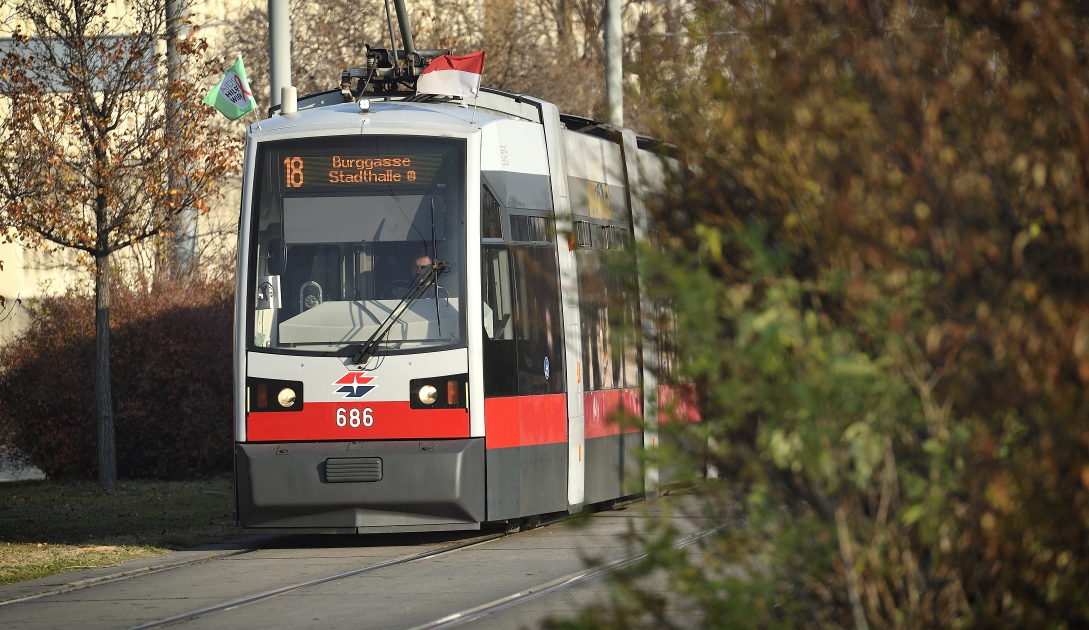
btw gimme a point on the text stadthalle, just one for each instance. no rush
(369, 176)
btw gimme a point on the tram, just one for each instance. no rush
(427, 335)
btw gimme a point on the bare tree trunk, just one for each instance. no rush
(614, 62)
(107, 454)
(563, 26)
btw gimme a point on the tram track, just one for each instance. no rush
(121, 577)
(250, 599)
(448, 621)
(477, 604)
(477, 612)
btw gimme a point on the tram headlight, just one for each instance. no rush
(439, 392)
(286, 397)
(364, 105)
(428, 395)
(273, 395)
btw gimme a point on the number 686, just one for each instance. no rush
(352, 417)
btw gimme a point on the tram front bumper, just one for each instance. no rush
(361, 486)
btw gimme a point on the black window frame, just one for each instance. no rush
(262, 177)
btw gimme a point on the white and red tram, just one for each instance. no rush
(423, 329)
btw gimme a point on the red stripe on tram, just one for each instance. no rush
(600, 409)
(525, 420)
(678, 402)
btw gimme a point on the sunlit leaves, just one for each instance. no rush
(105, 173)
(885, 307)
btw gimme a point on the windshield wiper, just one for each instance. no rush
(419, 286)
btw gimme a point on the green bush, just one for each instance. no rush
(880, 268)
(171, 374)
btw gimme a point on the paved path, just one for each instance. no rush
(482, 570)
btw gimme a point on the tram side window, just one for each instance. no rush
(594, 313)
(537, 322)
(500, 370)
(491, 214)
(608, 310)
(667, 348)
(628, 305)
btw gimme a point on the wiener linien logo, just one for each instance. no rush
(355, 384)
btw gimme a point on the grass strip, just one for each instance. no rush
(47, 527)
(27, 561)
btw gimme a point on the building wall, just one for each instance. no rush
(29, 273)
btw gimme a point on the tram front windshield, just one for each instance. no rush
(344, 230)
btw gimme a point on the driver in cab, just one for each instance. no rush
(421, 265)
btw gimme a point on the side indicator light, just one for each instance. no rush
(451, 392)
(262, 396)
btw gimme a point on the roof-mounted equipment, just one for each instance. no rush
(385, 75)
(389, 71)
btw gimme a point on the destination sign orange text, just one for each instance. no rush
(338, 170)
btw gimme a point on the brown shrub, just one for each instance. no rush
(171, 377)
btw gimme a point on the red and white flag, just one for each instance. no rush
(452, 76)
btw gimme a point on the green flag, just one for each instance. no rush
(232, 96)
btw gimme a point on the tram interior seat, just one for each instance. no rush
(310, 263)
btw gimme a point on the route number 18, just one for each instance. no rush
(293, 172)
(352, 417)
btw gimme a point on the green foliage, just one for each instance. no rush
(879, 271)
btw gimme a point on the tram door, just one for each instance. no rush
(525, 407)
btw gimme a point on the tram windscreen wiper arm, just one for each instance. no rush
(419, 287)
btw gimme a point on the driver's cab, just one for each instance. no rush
(313, 273)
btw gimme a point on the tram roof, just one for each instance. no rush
(327, 111)
(396, 114)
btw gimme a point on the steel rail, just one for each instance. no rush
(249, 599)
(121, 577)
(476, 612)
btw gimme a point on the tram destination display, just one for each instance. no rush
(303, 172)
